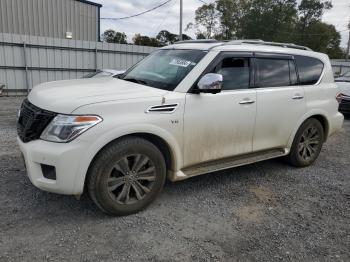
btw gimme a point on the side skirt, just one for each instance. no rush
(226, 163)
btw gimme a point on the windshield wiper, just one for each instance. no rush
(135, 80)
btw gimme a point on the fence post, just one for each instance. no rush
(96, 54)
(26, 65)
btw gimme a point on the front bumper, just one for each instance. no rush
(65, 158)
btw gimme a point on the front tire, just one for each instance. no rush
(126, 176)
(307, 143)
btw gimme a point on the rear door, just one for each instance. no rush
(280, 100)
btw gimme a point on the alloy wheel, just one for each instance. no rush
(131, 179)
(309, 144)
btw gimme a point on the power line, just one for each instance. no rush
(203, 2)
(142, 13)
(206, 3)
(165, 17)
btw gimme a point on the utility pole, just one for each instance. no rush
(181, 13)
(348, 49)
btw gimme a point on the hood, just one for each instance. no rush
(344, 87)
(66, 96)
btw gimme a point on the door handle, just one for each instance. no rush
(246, 102)
(297, 97)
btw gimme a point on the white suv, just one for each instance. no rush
(185, 110)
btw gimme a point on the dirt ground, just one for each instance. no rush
(267, 211)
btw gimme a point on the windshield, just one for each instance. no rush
(164, 69)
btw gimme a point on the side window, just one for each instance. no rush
(309, 69)
(235, 72)
(272, 72)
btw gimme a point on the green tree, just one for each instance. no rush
(164, 37)
(231, 15)
(269, 20)
(200, 36)
(206, 20)
(186, 37)
(312, 32)
(111, 36)
(139, 39)
(323, 38)
(310, 11)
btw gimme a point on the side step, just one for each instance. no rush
(230, 162)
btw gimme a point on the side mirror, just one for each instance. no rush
(210, 83)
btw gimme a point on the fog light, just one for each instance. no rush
(49, 172)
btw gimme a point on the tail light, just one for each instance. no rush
(339, 97)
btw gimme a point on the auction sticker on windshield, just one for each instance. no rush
(180, 62)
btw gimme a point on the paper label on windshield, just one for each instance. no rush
(180, 62)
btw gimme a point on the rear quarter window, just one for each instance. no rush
(309, 69)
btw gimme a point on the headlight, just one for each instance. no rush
(65, 128)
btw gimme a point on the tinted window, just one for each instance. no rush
(235, 72)
(309, 69)
(272, 72)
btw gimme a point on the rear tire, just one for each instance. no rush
(307, 143)
(126, 176)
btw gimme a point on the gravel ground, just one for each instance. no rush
(267, 211)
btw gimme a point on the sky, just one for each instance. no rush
(167, 17)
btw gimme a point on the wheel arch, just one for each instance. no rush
(320, 116)
(163, 140)
(324, 122)
(156, 140)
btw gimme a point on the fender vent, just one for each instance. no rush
(166, 108)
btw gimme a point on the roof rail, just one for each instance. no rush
(202, 41)
(261, 42)
(244, 41)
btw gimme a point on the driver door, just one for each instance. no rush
(221, 125)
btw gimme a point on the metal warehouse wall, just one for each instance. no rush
(26, 61)
(340, 66)
(51, 18)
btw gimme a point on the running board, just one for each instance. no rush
(227, 163)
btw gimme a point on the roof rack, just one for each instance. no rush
(246, 41)
(261, 42)
(199, 41)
